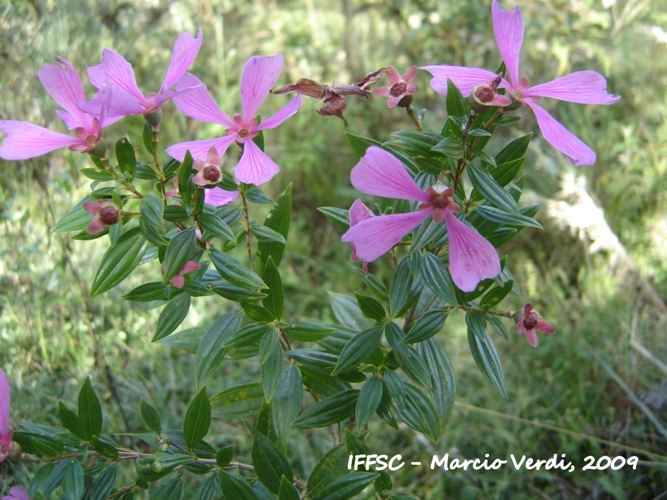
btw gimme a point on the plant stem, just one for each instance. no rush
(413, 116)
(123, 182)
(247, 228)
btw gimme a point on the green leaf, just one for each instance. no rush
(172, 316)
(269, 462)
(347, 311)
(308, 332)
(118, 262)
(233, 487)
(57, 475)
(127, 161)
(399, 291)
(502, 217)
(175, 213)
(40, 478)
(360, 144)
(395, 387)
(224, 456)
(249, 334)
(360, 347)
(457, 105)
(420, 413)
(171, 490)
(148, 139)
(340, 217)
(255, 195)
(178, 252)
(514, 150)
(347, 486)
(442, 377)
(266, 234)
(495, 296)
(417, 143)
(498, 326)
(105, 447)
(241, 401)
(287, 402)
(90, 411)
(330, 410)
(73, 480)
(271, 360)
(407, 356)
(214, 226)
(494, 194)
(150, 416)
(287, 491)
(279, 221)
(426, 326)
(76, 219)
(230, 269)
(210, 351)
(374, 284)
(370, 307)
(331, 467)
(275, 296)
(506, 172)
(449, 147)
(197, 420)
(188, 339)
(236, 293)
(484, 351)
(104, 483)
(257, 313)
(186, 187)
(149, 292)
(210, 490)
(369, 400)
(438, 279)
(70, 421)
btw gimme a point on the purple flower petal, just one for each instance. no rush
(531, 336)
(218, 197)
(120, 104)
(381, 174)
(584, 87)
(17, 493)
(25, 140)
(545, 327)
(5, 401)
(381, 91)
(464, 78)
(375, 236)
(358, 212)
(392, 102)
(178, 281)
(255, 167)
(189, 266)
(186, 49)
(410, 74)
(198, 103)
(392, 76)
(199, 149)
(115, 70)
(260, 74)
(289, 110)
(471, 258)
(64, 85)
(561, 138)
(508, 27)
(95, 226)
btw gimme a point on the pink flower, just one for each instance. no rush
(358, 212)
(126, 98)
(399, 86)
(528, 320)
(6, 443)
(471, 258)
(106, 214)
(208, 172)
(25, 140)
(214, 196)
(259, 75)
(16, 493)
(179, 280)
(585, 87)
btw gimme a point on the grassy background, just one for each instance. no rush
(52, 335)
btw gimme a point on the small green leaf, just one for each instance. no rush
(233, 487)
(186, 187)
(149, 292)
(214, 226)
(347, 312)
(70, 421)
(230, 269)
(249, 334)
(449, 147)
(438, 279)
(340, 217)
(224, 456)
(236, 293)
(442, 377)
(331, 467)
(457, 105)
(494, 296)
(287, 490)
(257, 313)
(330, 410)
(173, 489)
(395, 387)
(175, 213)
(255, 195)
(308, 332)
(118, 262)
(358, 349)
(104, 483)
(426, 326)
(76, 219)
(105, 447)
(172, 316)
(148, 138)
(73, 480)
(271, 360)
(346, 487)
(197, 420)
(360, 144)
(369, 400)
(266, 234)
(399, 291)
(178, 252)
(494, 194)
(502, 217)
(241, 401)
(275, 296)
(127, 161)
(57, 475)
(514, 150)
(484, 351)
(407, 356)
(150, 416)
(370, 307)
(90, 411)
(210, 351)
(269, 462)
(287, 402)
(498, 326)
(420, 413)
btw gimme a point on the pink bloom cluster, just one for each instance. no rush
(6, 443)
(471, 258)
(585, 87)
(260, 74)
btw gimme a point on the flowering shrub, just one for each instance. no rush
(444, 207)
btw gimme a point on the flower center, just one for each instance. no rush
(109, 215)
(398, 89)
(212, 174)
(244, 133)
(530, 321)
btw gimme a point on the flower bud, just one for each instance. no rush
(406, 102)
(514, 105)
(16, 452)
(154, 118)
(99, 150)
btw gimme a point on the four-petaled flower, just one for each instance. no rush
(529, 320)
(179, 280)
(6, 443)
(471, 258)
(16, 493)
(25, 140)
(259, 76)
(584, 87)
(399, 86)
(105, 212)
(126, 98)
